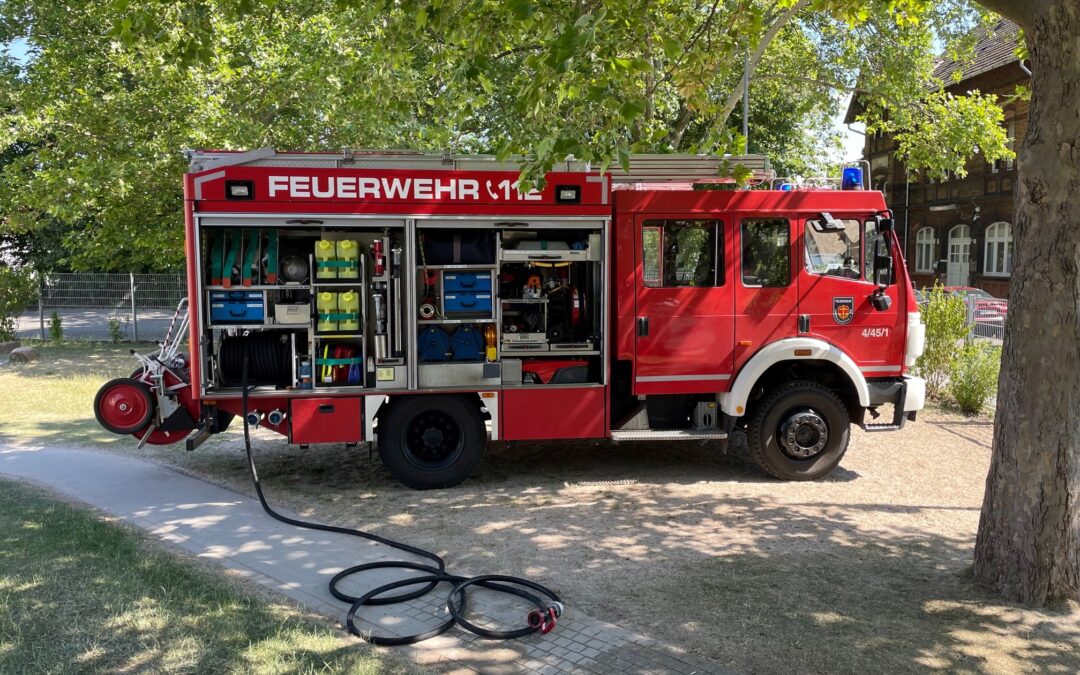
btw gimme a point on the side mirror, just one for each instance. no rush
(880, 301)
(883, 270)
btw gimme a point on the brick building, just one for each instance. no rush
(959, 231)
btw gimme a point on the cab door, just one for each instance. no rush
(836, 288)
(684, 329)
(767, 295)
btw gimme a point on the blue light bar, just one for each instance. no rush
(786, 187)
(852, 179)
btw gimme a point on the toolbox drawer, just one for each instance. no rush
(466, 281)
(467, 302)
(325, 420)
(237, 307)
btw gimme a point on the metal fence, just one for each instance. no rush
(93, 306)
(986, 316)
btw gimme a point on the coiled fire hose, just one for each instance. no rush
(543, 618)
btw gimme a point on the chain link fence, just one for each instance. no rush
(96, 306)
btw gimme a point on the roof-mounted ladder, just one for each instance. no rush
(644, 168)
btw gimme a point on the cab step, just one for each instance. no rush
(668, 435)
(870, 428)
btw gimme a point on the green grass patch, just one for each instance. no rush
(52, 400)
(78, 593)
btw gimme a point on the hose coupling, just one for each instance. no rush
(545, 621)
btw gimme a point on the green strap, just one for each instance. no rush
(235, 238)
(345, 316)
(271, 256)
(335, 263)
(339, 362)
(217, 251)
(247, 271)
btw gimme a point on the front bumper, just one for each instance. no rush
(914, 394)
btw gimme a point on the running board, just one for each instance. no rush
(668, 435)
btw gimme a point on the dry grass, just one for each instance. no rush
(864, 571)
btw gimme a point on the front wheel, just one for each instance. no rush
(798, 431)
(430, 442)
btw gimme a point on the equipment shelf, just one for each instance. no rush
(457, 267)
(259, 326)
(424, 322)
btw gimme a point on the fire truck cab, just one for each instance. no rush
(426, 304)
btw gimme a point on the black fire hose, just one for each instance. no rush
(542, 619)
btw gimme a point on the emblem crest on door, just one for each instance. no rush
(843, 310)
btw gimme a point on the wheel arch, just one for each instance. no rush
(378, 405)
(820, 357)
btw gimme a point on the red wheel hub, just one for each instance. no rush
(125, 406)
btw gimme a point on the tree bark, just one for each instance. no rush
(1028, 545)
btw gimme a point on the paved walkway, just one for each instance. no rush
(230, 529)
(93, 324)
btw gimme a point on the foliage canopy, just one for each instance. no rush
(113, 90)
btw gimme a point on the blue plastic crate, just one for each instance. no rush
(466, 281)
(237, 307)
(467, 303)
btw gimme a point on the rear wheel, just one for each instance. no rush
(798, 431)
(123, 405)
(431, 441)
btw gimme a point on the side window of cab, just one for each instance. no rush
(834, 247)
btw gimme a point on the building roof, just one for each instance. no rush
(995, 47)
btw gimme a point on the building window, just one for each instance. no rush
(924, 250)
(999, 250)
(681, 253)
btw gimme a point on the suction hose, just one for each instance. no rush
(543, 618)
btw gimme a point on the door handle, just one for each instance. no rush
(804, 323)
(643, 326)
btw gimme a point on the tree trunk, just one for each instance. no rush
(1028, 546)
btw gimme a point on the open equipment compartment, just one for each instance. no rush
(314, 304)
(503, 303)
(551, 298)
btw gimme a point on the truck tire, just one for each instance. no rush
(798, 431)
(431, 442)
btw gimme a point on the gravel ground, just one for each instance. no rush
(865, 570)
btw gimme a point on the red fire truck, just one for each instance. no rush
(427, 304)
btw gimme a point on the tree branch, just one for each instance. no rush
(1022, 12)
(755, 59)
(517, 50)
(807, 80)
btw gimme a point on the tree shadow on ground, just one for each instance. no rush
(695, 549)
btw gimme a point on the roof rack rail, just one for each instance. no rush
(644, 168)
